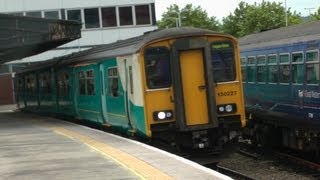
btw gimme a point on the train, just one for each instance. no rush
(182, 86)
(280, 70)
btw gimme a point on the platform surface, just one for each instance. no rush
(38, 147)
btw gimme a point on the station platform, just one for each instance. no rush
(37, 147)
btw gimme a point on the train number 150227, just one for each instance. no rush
(227, 93)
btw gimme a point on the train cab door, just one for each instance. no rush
(193, 85)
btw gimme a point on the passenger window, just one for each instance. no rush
(297, 69)
(251, 69)
(113, 84)
(261, 69)
(272, 69)
(90, 83)
(284, 68)
(63, 83)
(223, 61)
(312, 68)
(82, 83)
(157, 66)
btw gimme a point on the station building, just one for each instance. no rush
(103, 22)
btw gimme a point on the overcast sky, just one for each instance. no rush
(222, 8)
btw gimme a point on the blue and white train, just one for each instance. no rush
(281, 76)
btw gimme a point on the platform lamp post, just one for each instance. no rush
(286, 13)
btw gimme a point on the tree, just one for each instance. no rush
(248, 19)
(316, 15)
(189, 16)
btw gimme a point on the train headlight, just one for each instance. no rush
(227, 108)
(163, 115)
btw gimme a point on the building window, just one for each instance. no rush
(157, 66)
(284, 68)
(312, 67)
(91, 17)
(113, 84)
(142, 14)
(272, 69)
(74, 15)
(251, 69)
(51, 14)
(109, 17)
(125, 16)
(34, 14)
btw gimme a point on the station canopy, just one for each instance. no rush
(22, 36)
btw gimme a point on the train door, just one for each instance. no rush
(114, 97)
(193, 84)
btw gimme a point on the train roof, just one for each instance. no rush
(122, 47)
(285, 35)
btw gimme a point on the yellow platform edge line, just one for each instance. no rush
(140, 168)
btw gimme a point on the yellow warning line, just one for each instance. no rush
(135, 165)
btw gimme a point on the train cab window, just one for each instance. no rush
(113, 82)
(272, 69)
(261, 69)
(243, 62)
(284, 68)
(297, 69)
(223, 61)
(312, 67)
(251, 69)
(157, 66)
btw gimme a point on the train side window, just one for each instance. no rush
(45, 82)
(284, 68)
(297, 69)
(223, 61)
(272, 69)
(63, 83)
(243, 62)
(312, 67)
(82, 83)
(261, 69)
(157, 67)
(251, 69)
(113, 82)
(90, 82)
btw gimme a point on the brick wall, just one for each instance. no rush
(6, 89)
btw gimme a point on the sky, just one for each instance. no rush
(222, 8)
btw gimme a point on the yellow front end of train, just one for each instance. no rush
(192, 87)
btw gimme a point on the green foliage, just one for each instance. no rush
(189, 16)
(316, 15)
(248, 19)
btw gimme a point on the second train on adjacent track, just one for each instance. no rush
(180, 85)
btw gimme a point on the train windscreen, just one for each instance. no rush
(223, 61)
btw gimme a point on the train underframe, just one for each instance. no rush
(208, 140)
(270, 132)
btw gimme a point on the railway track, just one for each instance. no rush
(233, 173)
